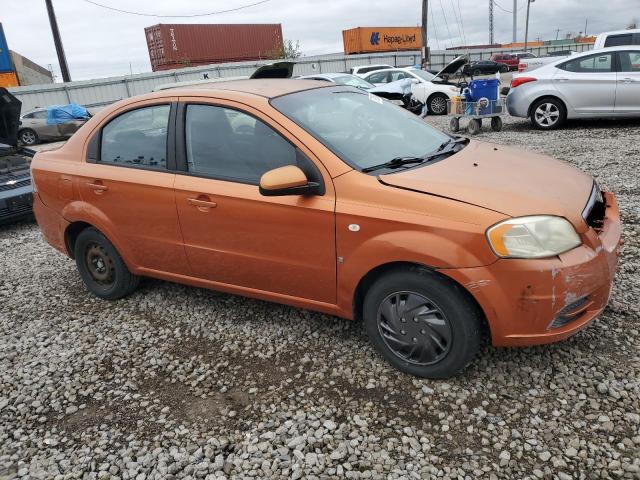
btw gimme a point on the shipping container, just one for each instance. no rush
(8, 79)
(5, 58)
(381, 39)
(186, 45)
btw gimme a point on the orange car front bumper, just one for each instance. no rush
(531, 302)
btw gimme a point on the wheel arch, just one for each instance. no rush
(379, 271)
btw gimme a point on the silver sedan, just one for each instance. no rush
(602, 83)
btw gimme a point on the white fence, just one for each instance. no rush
(95, 93)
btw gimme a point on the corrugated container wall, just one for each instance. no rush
(179, 45)
(8, 79)
(381, 39)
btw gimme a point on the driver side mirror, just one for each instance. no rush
(288, 180)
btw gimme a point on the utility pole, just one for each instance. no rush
(526, 28)
(425, 48)
(557, 33)
(62, 60)
(491, 22)
(586, 20)
(515, 21)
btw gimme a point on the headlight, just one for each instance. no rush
(532, 237)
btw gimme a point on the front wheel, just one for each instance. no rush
(474, 126)
(504, 69)
(422, 323)
(496, 124)
(101, 266)
(438, 104)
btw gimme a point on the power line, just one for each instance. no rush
(504, 9)
(433, 25)
(142, 14)
(446, 24)
(464, 36)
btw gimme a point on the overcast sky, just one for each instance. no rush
(100, 43)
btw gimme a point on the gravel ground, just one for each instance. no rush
(178, 382)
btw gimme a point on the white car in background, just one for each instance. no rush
(362, 70)
(429, 89)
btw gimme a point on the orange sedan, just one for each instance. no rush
(327, 198)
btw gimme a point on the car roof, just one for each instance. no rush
(616, 32)
(326, 75)
(263, 87)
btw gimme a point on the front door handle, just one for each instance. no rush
(98, 187)
(202, 203)
(562, 79)
(628, 80)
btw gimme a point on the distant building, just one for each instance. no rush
(29, 72)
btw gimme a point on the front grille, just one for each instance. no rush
(17, 184)
(15, 212)
(571, 312)
(594, 211)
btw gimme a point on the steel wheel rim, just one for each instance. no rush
(547, 114)
(28, 138)
(438, 105)
(99, 264)
(414, 328)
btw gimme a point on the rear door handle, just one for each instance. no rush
(98, 187)
(628, 80)
(201, 203)
(562, 79)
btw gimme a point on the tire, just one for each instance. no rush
(101, 267)
(474, 126)
(437, 104)
(548, 114)
(496, 124)
(440, 341)
(476, 72)
(28, 137)
(504, 69)
(454, 124)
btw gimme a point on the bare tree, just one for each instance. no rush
(289, 49)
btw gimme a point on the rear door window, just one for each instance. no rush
(591, 64)
(137, 138)
(616, 40)
(231, 145)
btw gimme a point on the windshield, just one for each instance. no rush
(361, 128)
(424, 75)
(353, 81)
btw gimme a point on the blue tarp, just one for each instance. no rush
(64, 113)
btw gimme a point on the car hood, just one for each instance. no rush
(503, 179)
(453, 66)
(9, 118)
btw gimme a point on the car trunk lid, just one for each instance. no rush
(9, 118)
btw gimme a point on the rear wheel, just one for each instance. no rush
(476, 72)
(422, 323)
(437, 104)
(496, 124)
(504, 69)
(548, 114)
(101, 266)
(28, 137)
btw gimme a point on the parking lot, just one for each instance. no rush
(179, 382)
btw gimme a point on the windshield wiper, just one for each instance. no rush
(395, 163)
(450, 141)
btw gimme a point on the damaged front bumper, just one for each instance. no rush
(530, 302)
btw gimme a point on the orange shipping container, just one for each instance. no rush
(381, 39)
(8, 79)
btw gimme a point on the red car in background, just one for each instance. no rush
(508, 59)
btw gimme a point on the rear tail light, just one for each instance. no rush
(522, 67)
(520, 80)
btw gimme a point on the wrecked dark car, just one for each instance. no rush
(16, 190)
